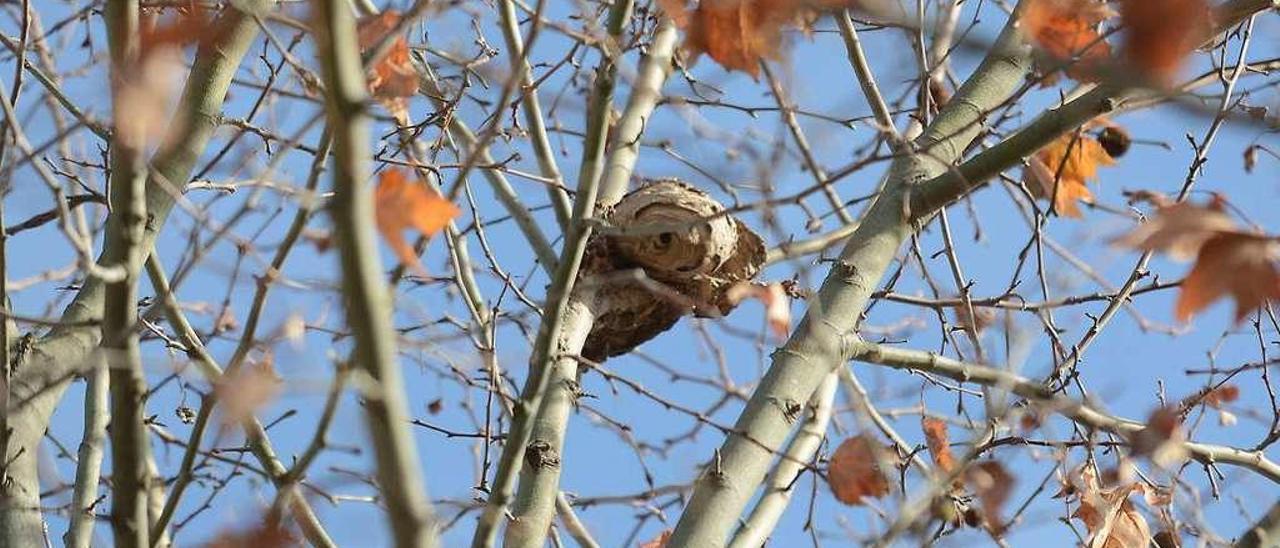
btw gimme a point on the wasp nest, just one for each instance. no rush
(670, 250)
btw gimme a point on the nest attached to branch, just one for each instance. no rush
(670, 250)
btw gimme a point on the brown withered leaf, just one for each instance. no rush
(854, 472)
(1061, 170)
(270, 533)
(145, 87)
(1162, 439)
(1228, 261)
(227, 321)
(1179, 229)
(1066, 30)
(982, 318)
(393, 78)
(936, 437)
(1167, 539)
(1221, 395)
(1232, 263)
(739, 34)
(242, 393)
(992, 484)
(1112, 519)
(659, 541)
(777, 304)
(401, 204)
(1160, 35)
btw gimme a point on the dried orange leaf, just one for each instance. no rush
(393, 78)
(659, 541)
(739, 34)
(1161, 34)
(1112, 520)
(1060, 171)
(935, 436)
(243, 392)
(1179, 230)
(854, 471)
(1067, 29)
(992, 484)
(1228, 261)
(145, 88)
(1162, 439)
(401, 204)
(1232, 263)
(1222, 395)
(982, 317)
(777, 304)
(270, 533)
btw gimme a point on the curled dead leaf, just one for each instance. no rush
(1112, 519)
(991, 484)
(1178, 229)
(1232, 263)
(401, 204)
(270, 533)
(739, 34)
(242, 393)
(1159, 35)
(935, 436)
(145, 88)
(1221, 396)
(1162, 439)
(777, 304)
(1066, 30)
(1060, 171)
(393, 78)
(1228, 261)
(659, 541)
(854, 472)
(982, 317)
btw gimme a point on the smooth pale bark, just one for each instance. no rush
(367, 298)
(826, 335)
(67, 351)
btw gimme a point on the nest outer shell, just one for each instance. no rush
(690, 250)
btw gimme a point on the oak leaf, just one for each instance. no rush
(1067, 29)
(1060, 171)
(393, 79)
(854, 472)
(401, 204)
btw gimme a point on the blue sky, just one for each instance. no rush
(1122, 369)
